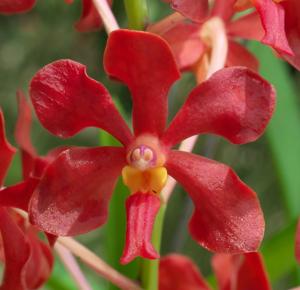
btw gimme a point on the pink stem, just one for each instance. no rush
(108, 18)
(98, 265)
(72, 266)
(214, 30)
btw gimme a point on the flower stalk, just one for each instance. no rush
(137, 13)
(108, 18)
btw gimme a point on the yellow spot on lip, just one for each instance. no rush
(150, 180)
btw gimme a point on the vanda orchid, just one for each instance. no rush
(274, 23)
(74, 192)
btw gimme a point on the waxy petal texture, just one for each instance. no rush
(75, 190)
(235, 103)
(6, 150)
(273, 20)
(15, 6)
(149, 76)
(227, 216)
(177, 272)
(241, 272)
(141, 211)
(194, 10)
(185, 43)
(67, 100)
(90, 19)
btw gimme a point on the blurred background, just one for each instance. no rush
(271, 166)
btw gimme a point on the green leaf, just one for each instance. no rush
(283, 132)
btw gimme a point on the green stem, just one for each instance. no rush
(137, 13)
(150, 267)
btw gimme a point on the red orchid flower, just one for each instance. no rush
(32, 265)
(75, 190)
(234, 272)
(267, 24)
(90, 19)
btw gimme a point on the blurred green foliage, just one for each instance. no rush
(271, 166)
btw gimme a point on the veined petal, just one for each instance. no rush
(227, 216)
(239, 55)
(14, 241)
(186, 44)
(90, 19)
(74, 192)
(194, 10)
(141, 211)
(235, 103)
(273, 20)
(7, 151)
(246, 272)
(149, 76)
(67, 100)
(15, 6)
(177, 272)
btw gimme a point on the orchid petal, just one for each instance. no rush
(149, 76)
(223, 9)
(235, 103)
(141, 211)
(227, 216)
(245, 272)
(273, 20)
(73, 195)
(15, 6)
(194, 10)
(7, 151)
(238, 55)
(177, 272)
(67, 100)
(185, 43)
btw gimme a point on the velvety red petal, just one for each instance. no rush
(17, 252)
(273, 20)
(15, 6)
(141, 211)
(73, 195)
(292, 22)
(177, 272)
(227, 216)
(18, 195)
(297, 244)
(6, 150)
(149, 76)
(241, 272)
(194, 10)
(235, 103)
(239, 55)
(90, 19)
(247, 27)
(223, 9)
(40, 263)
(185, 43)
(67, 100)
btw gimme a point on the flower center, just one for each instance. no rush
(145, 171)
